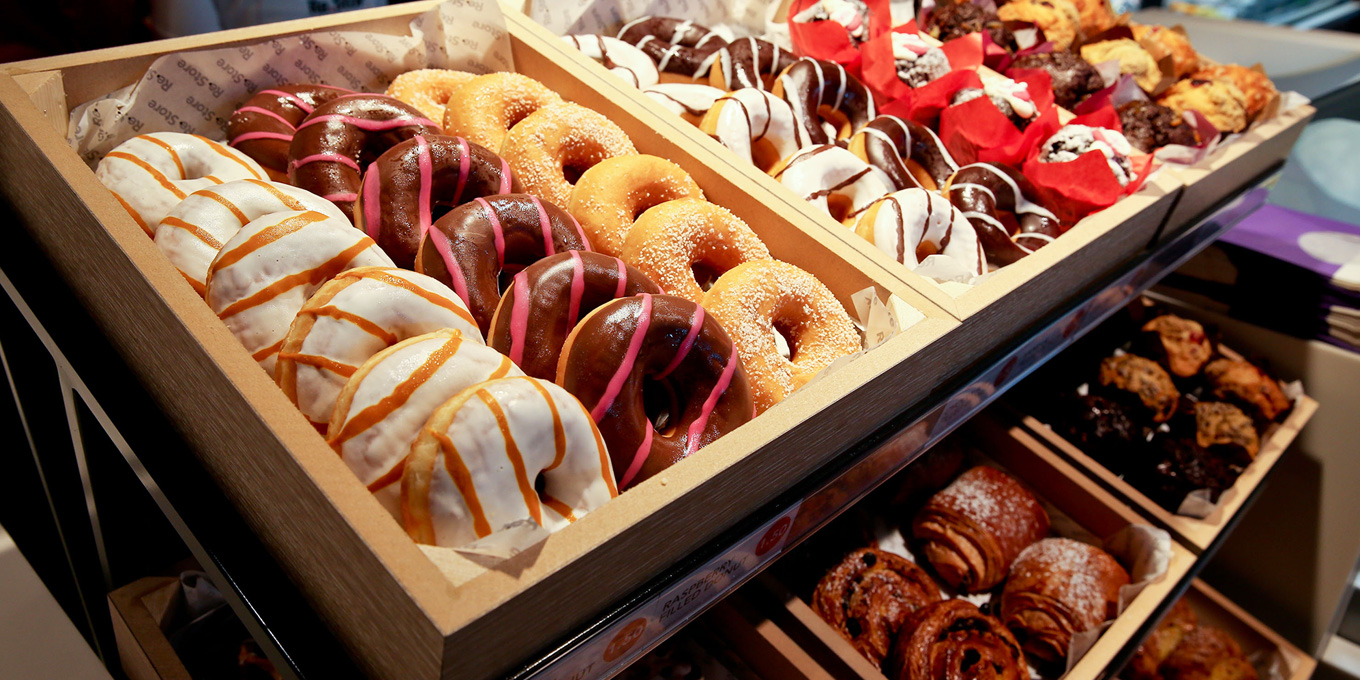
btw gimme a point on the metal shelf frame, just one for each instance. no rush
(297, 641)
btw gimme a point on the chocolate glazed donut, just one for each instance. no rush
(631, 350)
(263, 128)
(983, 192)
(747, 62)
(412, 183)
(677, 46)
(546, 300)
(810, 84)
(469, 248)
(890, 143)
(345, 134)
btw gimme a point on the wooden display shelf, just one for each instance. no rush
(1214, 179)
(351, 561)
(139, 611)
(775, 618)
(1197, 534)
(1214, 609)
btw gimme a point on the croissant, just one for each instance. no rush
(973, 529)
(869, 595)
(1158, 645)
(1207, 653)
(1058, 588)
(954, 640)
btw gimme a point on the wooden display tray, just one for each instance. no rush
(348, 557)
(139, 611)
(1010, 298)
(777, 624)
(1229, 167)
(1197, 534)
(1214, 609)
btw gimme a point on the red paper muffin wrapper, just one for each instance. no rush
(925, 103)
(977, 131)
(879, 68)
(1074, 189)
(829, 41)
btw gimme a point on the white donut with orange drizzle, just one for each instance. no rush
(475, 466)
(265, 273)
(382, 407)
(354, 316)
(195, 230)
(150, 174)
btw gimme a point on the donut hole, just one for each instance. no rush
(837, 120)
(785, 338)
(841, 207)
(925, 249)
(573, 168)
(661, 405)
(922, 177)
(705, 274)
(764, 155)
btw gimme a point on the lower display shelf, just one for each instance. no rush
(300, 647)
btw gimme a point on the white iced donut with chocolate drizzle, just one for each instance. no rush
(265, 273)
(195, 230)
(354, 316)
(834, 180)
(623, 60)
(915, 226)
(150, 174)
(382, 407)
(687, 100)
(476, 465)
(755, 125)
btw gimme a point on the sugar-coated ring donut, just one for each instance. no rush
(911, 154)
(622, 59)
(756, 125)
(687, 100)
(263, 127)
(662, 343)
(673, 240)
(749, 62)
(150, 174)
(346, 134)
(407, 187)
(196, 228)
(474, 244)
(264, 274)
(835, 180)
(489, 105)
(353, 316)
(384, 405)
(477, 464)
(544, 301)
(682, 49)
(610, 196)
(820, 90)
(913, 224)
(428, 89)
(552, 147)
(758, 299)
(1004, 208)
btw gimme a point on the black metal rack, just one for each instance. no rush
(84, 412)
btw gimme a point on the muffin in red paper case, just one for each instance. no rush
(836, 30)
(903, 61)
(1086, 166)
(978, 129)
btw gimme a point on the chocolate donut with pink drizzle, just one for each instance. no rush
(345, 134)
(471, 247)
(419, 180)
(545, 300)
(659, 376)
(263, 127)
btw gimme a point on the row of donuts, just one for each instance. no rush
(813, 127)
(257, 250)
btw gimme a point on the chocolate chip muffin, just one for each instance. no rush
(1145, 379)
(1244, 384)
(1180, 344)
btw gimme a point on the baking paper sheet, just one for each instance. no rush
(196, 92)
